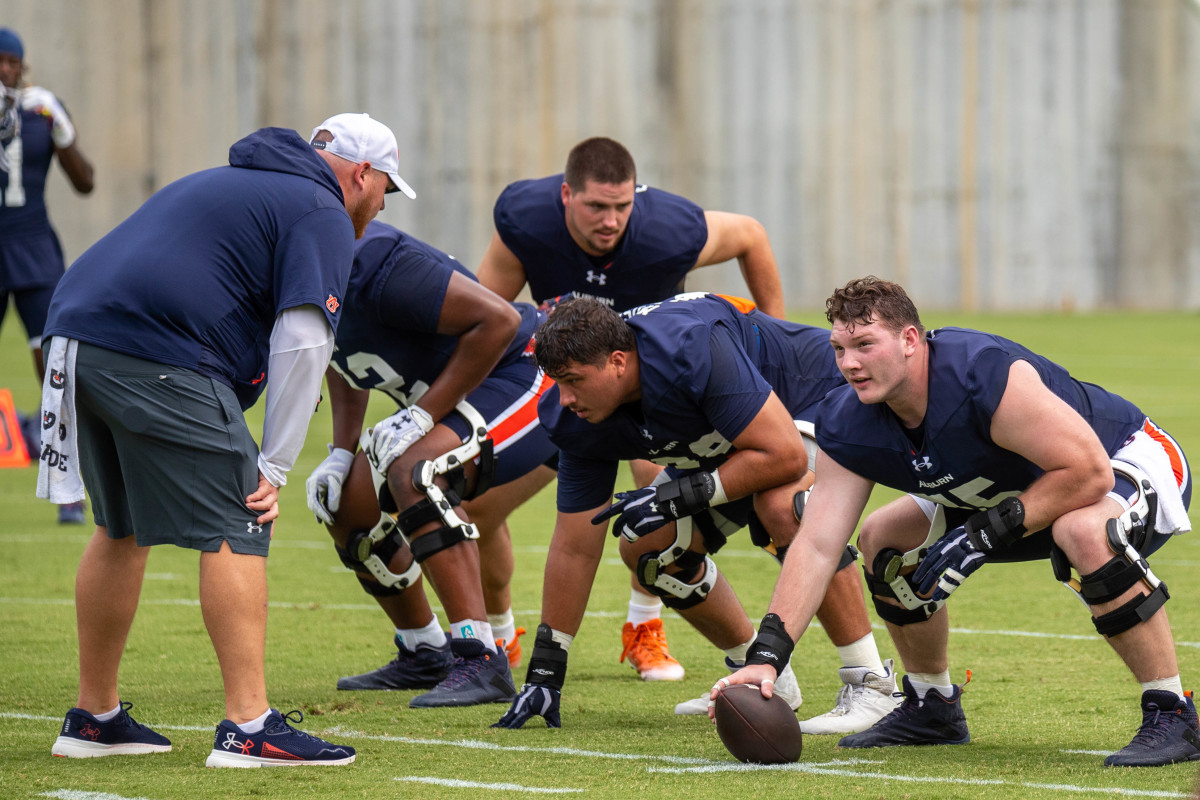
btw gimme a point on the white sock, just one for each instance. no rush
(643, 608)
(503, 626)
(1173, 684)
(862, 653)
(922, 682)
(431, 636)
(255, 725)
(474, 629)
(107, 715)
(737, 654)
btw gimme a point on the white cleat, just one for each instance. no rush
(785, 686)
(864, 699)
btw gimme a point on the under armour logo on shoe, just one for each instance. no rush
(90, 731)
(231, 743)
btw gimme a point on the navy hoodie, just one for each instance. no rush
(198, 274)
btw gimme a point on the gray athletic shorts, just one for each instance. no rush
(165, 454)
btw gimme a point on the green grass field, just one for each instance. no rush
(1048, 699)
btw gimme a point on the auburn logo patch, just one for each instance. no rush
(332, 304)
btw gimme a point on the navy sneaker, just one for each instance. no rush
(937, 719)
(477, 676)
(1169, 733)
(84, 736)
(423, 668)
(278, 744)
(71, 514)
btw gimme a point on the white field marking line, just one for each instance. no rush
(500, 787)
(75, 794)
(834, 768)
(692, 765)
(62, 601)
(155, 725)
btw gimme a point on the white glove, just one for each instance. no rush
(392, 436)
(324, 485)
(42, 101)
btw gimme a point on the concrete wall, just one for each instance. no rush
(989, 154)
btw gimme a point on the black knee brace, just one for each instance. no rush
(682, 589)
(1124, 570)
(895, 586)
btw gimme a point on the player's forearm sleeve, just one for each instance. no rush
(301, 344)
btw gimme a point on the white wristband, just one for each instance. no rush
(718, 497)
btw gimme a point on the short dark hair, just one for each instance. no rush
(870, 299)
(583, 331)
(598, 159)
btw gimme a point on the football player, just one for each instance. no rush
(1005, 457)
(711, 389)
(458, 361)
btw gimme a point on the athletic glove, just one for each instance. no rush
(544, 677)
(394, 435)
(533, 700)
(955, 556)
(643, 511)
(42, 101)
(324, 485)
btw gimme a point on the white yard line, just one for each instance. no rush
(501, 787)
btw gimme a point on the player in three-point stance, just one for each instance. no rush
(711, 389)
(1005, 457)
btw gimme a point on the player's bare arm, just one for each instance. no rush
(575, 551)
(738, 236)
(485, 325)
(769, 453)
(500, 270)
(348, 406)
(1035, 423)
(77, 168)
(830, 517)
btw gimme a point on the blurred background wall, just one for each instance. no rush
(988, 154)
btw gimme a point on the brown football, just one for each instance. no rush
(757, 730)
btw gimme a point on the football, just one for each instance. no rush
(757, 730)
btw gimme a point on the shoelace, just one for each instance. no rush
(294, 716)
(1155, 729)
(647, 639)
(464, 669)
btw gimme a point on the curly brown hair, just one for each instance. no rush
(870, 299)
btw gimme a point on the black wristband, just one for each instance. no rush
(685, 496)
(548, 664)
(998, 528)
(772, 646)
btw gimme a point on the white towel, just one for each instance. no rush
(59, 480)
(1149, 456)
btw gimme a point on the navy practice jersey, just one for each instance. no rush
(661, 244)
(957, 464)
(706, 370)
(31, 255)
(198, 274)
(395, 347)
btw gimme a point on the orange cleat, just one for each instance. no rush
(646, 648)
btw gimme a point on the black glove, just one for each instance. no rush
(542, 692)
(643, 511)
(955, 557)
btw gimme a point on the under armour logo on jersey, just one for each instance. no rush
(252, 527)
(923, 464)
(332, 304)
(595, 277)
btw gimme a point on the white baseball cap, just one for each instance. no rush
(358, 138)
